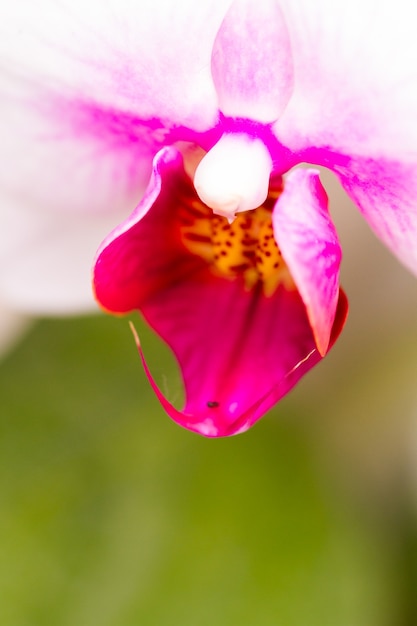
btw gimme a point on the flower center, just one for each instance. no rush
(234, 175)
(245, 247)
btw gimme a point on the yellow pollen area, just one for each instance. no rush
(246, 247)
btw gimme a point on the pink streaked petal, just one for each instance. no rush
(356, 80)
(239, 351)
(67, 158)
(252, 62)
(386, 194)
(60, 194)
(354, 107)
(87, 97)
(309, 244)
(121, 54)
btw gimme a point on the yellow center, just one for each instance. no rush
(246, 247)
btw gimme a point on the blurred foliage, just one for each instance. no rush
(112, 515)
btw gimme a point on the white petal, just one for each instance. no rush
(13, 325)
(80, 87)
(46, 259)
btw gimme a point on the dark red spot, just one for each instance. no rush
(240, 268)
(197, 237)
(195, 212)
(186, 221)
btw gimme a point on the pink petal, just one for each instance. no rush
(239, 351)
(309, 244)
(142, 256)
(386, 194)
(252, 62)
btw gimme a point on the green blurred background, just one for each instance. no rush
(112, 515)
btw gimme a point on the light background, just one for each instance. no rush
(111, 515)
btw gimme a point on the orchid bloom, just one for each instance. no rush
(197, 114)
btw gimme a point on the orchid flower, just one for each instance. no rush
(197, 114)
